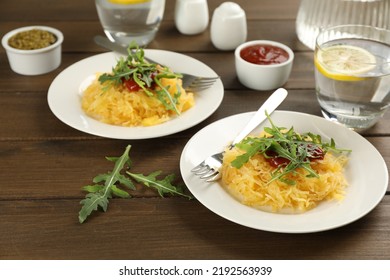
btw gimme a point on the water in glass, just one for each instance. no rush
(130, 20)
(355, 98)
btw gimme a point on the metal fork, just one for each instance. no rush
(190, 82)
(209, 169)
(195, 83)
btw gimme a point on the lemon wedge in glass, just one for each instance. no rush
(344, 62)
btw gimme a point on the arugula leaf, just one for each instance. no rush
(251, 147)
(106, 185)
(99, 194)
(162, 186)
(135, 67)
(296, 148)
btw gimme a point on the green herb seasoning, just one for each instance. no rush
(32, 39)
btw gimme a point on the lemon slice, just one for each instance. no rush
(344, 62)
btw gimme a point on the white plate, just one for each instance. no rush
(366, 173)
(66, 89)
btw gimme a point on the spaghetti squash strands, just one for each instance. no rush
(118, 106)
(251, 184)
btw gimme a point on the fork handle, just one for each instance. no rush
(269, 105)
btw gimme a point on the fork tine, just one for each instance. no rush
(198, 83)
(215, 178)
(204, 80)
(201, 83)
(207, 79)
(203, 171)
(195, 87)
(198, 167)
(210, 174)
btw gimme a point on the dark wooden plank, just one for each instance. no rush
(46, 10)
(70, 10)
(168, 38)
(173, 228)
(302, 75)
(59, 168)
(32, 119)
(44, 163)
(56, 169)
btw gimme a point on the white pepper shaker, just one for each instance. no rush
(191, 16)
(228, 26)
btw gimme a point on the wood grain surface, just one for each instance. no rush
(44, 163)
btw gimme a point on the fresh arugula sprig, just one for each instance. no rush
(135, 67)
(107, 185)
(163, 187)
(296, 148)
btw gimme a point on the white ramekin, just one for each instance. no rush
(34, 62)
(263, 77)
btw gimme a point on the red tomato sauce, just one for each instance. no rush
(132, 85)
(264, 54)
(276, 161)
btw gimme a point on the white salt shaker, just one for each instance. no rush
(191, 16)
(228, 26)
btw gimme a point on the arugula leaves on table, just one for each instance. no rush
(145, 74)
(107, 185)
(163, 187)
(296, 148)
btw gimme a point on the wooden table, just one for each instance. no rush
(44, 163)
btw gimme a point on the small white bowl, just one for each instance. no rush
(34, 62)
(263, 77)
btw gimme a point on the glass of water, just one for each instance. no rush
(352, 74)
(316, 14)
(126, 21)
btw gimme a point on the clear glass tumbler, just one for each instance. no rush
(316, 14)
(352, 74)
(125, 21)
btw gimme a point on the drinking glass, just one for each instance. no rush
(125, 21)
(313, 15)
(352, 74)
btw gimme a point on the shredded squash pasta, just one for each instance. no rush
(118, 106)
(250, 183)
